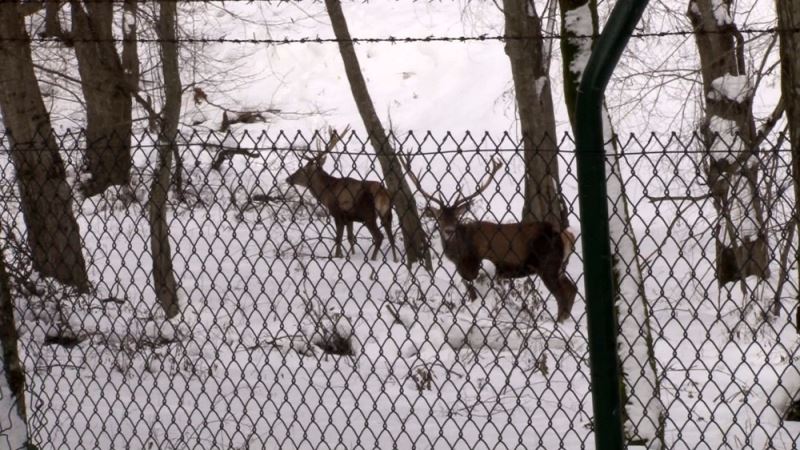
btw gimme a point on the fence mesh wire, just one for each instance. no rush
(281, 344)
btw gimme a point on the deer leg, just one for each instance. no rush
(564, 290)
(569, 291)
(387, 225)
(469, 271)
(471, 291)
(339, 232)
(377, 237)
(351, 238)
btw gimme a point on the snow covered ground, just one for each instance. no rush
(240, 368)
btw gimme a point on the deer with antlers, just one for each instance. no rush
(347, 199)
(516, 249)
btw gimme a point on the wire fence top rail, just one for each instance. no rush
(422, 143)
(395, 39)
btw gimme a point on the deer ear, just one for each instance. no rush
(431, 212)
(321, 160)
(461, 209)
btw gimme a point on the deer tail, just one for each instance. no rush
(383, 202)
(568, 240)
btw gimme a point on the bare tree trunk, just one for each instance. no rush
(789, 19)
(730, 137)
(52, 25)
(644, 412)
(402, 197)
(53, 233)
(163, 274)
(108, 102)
(529, 67)
(130, 51)
(13, 417)
(106, 83)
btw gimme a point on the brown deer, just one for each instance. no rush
(347, 200)
(516, 249)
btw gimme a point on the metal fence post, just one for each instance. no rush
(602, 324)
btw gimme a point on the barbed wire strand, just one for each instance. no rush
(392, 39)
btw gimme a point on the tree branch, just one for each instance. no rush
(678, 198)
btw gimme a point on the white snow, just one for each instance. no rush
(128, 22)
(578, 21)
(721, 11)
(735, 88)
(539, 85)
(644, 406)
(726, 143)
(240, 368)
(531, 8)
(694, 8)
(13, 429)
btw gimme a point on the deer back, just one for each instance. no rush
(518, 248)
(354, 199)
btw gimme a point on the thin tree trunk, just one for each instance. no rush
(402, 197)
(579, 24)
(163, 274)
(13, 417)
(108, 101)
(730, 136)
(789, 19)
(529, 68)
(644, 411)
(52, 231)
(52, 25)
(130, 51)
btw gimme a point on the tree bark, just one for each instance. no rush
(729, 135)
(529, 68)
(108, 100)
(577, 38)
(163, 274)
(52, 24)
(46, 199)
(402, 198)
(130, 51)
(789, 19)
(644, 412)
(13, 416)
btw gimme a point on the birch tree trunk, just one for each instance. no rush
(413, 235)
(163, 274)
(789, 19)
(729, 137)
(529, 68)
(13, 417)
(52, 231)
(644, 411)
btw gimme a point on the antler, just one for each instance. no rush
(404, 159)
(496, 165)
(334, 139)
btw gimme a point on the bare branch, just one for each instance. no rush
(678, 198)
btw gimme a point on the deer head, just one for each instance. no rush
(448, 216)
(313, 164)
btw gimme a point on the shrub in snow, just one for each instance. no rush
(327, 329)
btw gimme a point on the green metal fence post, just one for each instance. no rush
(602, 324)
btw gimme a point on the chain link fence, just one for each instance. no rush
(280, 343)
